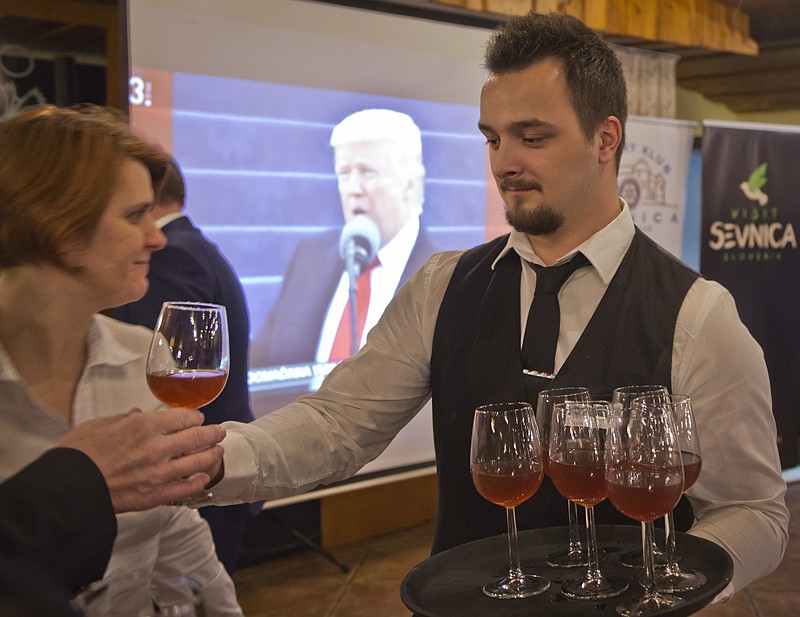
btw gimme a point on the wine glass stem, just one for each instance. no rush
(591, 546)
(672, 558)
(649, 558)
(574, 532)
(513, 545)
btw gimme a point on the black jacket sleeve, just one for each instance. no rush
(56, 514)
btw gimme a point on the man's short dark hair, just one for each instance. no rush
(172, 188)
(594, 75)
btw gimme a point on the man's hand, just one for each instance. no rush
(149, 459)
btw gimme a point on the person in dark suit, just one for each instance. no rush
(192, 268)
(57, 514)
(380, 173)
(57, 529)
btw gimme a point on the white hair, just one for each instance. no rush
(383, 124)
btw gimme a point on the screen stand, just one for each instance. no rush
(314, 546)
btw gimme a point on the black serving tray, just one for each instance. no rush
(449, 583)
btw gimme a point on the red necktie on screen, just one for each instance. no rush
(541, 332)
(341, 343)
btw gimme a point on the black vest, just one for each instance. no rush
(476, 360)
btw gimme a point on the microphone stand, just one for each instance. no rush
(353, 271)
(352, 294)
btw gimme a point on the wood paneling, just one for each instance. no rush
(351, 516)
(717, 41)
(704, 23)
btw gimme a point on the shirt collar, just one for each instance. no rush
(167, 219)
(604, 249)
(8, 371)
(399, 248)
(103, 348)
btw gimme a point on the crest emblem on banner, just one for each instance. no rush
(640, 183)
(652, 177)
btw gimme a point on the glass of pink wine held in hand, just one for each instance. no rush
(507, 469)
(189, 356)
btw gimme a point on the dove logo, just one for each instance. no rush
(752, 186)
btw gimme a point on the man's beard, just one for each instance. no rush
(539, 221)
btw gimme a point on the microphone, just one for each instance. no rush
(358, 244)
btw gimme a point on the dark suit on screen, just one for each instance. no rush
(292, 332)
(191, 268)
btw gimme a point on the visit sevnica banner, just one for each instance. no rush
(750, 214)
(652, 176)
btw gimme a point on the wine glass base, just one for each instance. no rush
(649, 605)
(594, 588)
(567, 559)
(572, 559)
(633, 559)
(524, 586)
(680, 581)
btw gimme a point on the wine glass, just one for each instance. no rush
(123, 593)
(177, 597)
(573, 556)
(507, 469)
(621, 400)
(188, 361)
(187, 365)
(644, 476)
(673, 579)
(577, 468)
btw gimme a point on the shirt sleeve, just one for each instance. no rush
(329, 435)
(738, 499)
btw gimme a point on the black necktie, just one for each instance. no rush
(541, 331)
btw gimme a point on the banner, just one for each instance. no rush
(652, 176)
(750, 211)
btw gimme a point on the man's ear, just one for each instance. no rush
(609, 136)
(414, 191)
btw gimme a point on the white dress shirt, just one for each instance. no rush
(155, 545)
(327, 436)
(383, 280)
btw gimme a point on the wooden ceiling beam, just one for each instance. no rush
(783, 55)
(689, 23)
(760, 83)
(779, 101)
(67, 11)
